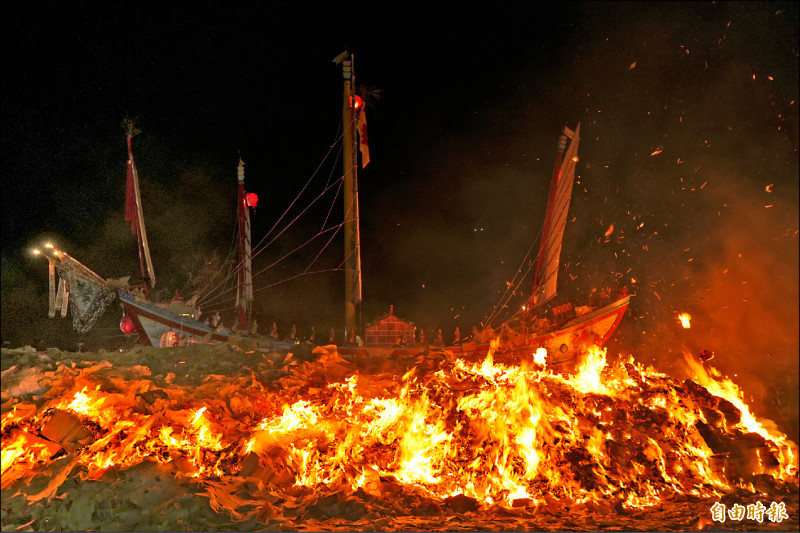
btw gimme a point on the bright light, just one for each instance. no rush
(540, 357)
(48, 245)
(685, 320)
(36, 251)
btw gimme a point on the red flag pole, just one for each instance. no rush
(133, 214)
(244, 293)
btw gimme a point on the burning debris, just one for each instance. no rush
(706, 356)
(189, 439)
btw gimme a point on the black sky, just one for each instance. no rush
(688, 113)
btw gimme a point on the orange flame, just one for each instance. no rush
(489, 431)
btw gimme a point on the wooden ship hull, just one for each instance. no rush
(563, 343)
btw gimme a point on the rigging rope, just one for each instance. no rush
(336, 228)
(208, 299)
(502, 303)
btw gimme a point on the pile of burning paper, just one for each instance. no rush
(224, 437)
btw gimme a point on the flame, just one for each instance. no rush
(540, 356)
(497, 433)
(723, 387)
(685, 319)
(588, 377)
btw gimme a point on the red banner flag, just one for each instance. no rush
(130, 195)
(363, 143)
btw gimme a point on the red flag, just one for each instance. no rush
(130, 195)
(363, 143)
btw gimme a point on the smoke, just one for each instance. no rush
(689, 150)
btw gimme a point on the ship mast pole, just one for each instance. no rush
(244, 294)
(141, 233)
(350, 208)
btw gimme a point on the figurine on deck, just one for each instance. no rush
(273, 333)
(332, 336)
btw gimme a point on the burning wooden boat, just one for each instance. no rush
(563, 331)
(87, 295)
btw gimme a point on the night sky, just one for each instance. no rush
(689, 149)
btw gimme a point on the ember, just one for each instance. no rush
(278, 439)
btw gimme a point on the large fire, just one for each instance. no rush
(448, 429)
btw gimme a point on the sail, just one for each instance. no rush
(87, 300)
(134, 215)
(85, 293)
(548, 261)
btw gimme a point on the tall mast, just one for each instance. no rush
(352, 251)
(244, 294)
(134, 214)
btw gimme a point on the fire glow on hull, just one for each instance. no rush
(153, 322)
(592, 328)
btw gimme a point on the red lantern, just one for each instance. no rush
(251, 199)
(357, 102)
(127, 326)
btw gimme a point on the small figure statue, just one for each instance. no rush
(313, 337)
(457, 336)
(273, 333)
(293, 333)
(332, 336)
(422, 339)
